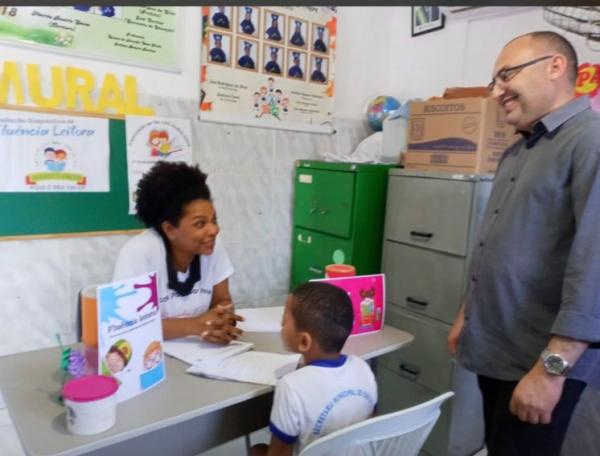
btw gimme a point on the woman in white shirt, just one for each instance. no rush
(182, 245)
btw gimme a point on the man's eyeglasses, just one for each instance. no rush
(506, 74)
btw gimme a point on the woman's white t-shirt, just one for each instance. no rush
(146, 253)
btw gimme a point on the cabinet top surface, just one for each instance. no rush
(345, 166)
(441, 175)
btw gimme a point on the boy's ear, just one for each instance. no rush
(305, 343)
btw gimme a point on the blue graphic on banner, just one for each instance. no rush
(147, 379)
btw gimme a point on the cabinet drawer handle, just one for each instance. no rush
(306, 240)
(315, 270)
(416, 301)
(409, 371)
(421, 234)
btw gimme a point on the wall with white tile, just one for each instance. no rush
(250, 169)
(250, 173)
(463, 52)
(359, 48)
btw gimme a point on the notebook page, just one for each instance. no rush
(252, 367)
(193, 350)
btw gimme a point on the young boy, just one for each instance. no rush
(332, 390)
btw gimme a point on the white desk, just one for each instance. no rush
(184, 415)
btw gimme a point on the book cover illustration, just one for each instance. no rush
(130, 340)
(367, 294)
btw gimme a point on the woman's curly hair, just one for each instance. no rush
(163, 192)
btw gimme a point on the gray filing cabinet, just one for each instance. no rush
(430, 225)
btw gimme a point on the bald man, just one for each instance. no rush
(529, 324)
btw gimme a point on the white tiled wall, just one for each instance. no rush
(251, 177)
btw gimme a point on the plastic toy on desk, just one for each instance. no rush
(72, 363)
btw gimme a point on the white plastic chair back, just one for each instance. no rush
(400, 433)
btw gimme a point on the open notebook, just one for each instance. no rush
(193, 350)
(232, 361)
(251, 366)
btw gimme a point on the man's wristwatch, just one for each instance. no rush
(554, 363)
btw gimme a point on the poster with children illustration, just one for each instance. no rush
(367, 294)
(130, 342)
(266, 70)
(53, 153)
(150, 139)
(270, 101)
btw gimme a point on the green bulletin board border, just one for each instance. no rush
(66, 214)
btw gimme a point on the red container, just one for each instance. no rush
(339, 270)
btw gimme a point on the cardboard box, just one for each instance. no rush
(464, 135)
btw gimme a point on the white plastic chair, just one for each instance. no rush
(401, 433)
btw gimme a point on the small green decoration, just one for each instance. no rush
(339, 257)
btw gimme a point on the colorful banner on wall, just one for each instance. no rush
(52, 153)
(70, 88)
(130, 340)
(150, 139)
(145, 36)
(269, 66)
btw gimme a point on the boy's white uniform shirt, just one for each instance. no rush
(146, 252)
(322, 397)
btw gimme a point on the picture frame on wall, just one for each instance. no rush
(426, 19)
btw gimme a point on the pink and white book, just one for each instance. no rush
(367, 294)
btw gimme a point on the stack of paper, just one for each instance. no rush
(193, 350)
(261, 319)
(252, 367)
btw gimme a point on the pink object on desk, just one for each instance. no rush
(90, 388)
(367, 294)
(91, 404)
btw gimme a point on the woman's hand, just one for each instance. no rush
(218, 324)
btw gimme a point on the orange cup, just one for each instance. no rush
(89, 317)
(339, 270)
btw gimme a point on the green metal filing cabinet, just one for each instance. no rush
(339, 211)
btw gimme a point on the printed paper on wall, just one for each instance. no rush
(150, 139)
(145, 36)
(269, 66)
(53, 153)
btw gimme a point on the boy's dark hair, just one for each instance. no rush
(325, 312)
(163, 192)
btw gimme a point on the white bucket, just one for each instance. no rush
(91, 404)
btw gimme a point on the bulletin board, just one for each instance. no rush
(56, 214)
(270, 67)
